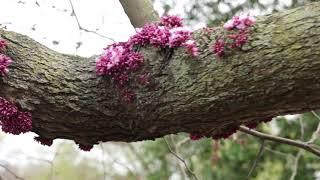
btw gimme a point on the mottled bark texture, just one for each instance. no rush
(276, 73)
(139, 12)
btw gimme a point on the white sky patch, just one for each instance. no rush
(53, 22)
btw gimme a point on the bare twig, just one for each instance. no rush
(139, 157)
(295, 165)
(297, 157)
(297, 143)
(102, 162)
(316, 133)
(255, 162)
(316, 115)
(182, 142)
(11, 172)
(181, 167)
(119, 162)
(285, 155)
(52, 163)
(301, 129)
(182, 160)
(73, 13)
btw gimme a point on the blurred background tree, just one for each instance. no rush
(176, 156)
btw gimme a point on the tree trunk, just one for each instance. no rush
(139, 12)
(276, 73)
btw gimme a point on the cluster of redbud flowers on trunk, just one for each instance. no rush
(121, 59)
(12, 120)
(236, 36)
(5, 61)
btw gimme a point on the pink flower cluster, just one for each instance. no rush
(225, 134)
(5, 61)
(44, 141)
(240, 22)
(12, 120)
(171, 21)
(120, 59)
(218, 47)
(239, 27)
(195, 137)
(85, 147)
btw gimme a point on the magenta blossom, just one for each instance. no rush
(195, 137)
(12, 120)
(3, 44)
(20, 123)
(171, 21)
(191, 47)
(240, 22)
(85, 147)
(5, 61)
(44, 141)
(218, 48)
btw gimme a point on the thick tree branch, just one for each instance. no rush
(276, 73)
(139, 12)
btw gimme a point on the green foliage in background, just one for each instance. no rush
(213, 12)
(232, 158)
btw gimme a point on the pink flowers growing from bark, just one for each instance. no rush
(238, 26)
(12, 120)
(5, 61)
(240, 22)
(44, 141)
(120, 59)
(218, 48)
(171, 21)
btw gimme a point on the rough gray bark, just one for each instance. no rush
(276, 73)
(139, 12)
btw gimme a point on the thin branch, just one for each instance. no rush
(182, 160)
(316, 133)
(295, 165)
(102, 162)
(138, 156)
(282, 140)
(182, 142)
(255, 162)
(11, 172)
(52, 163)
(73, 13)
(316, 115)
(301, 129)
(285, 155)
(115, 161)
(175, 149)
